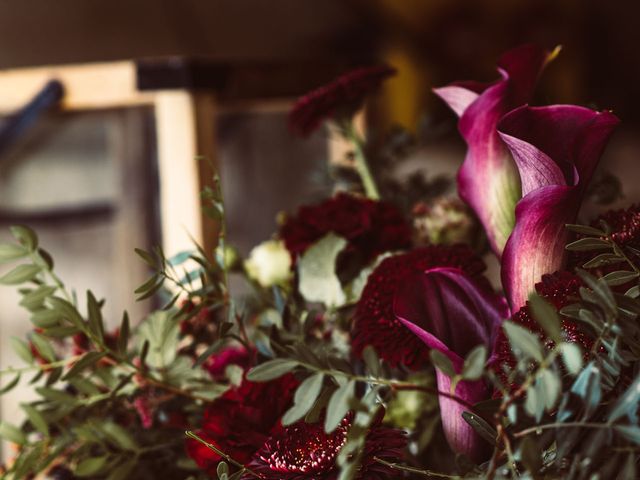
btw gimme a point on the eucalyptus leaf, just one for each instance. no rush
(619, 277)
(90, 467)
(12, 433)
(271, 369)
(338, 406)
(547, 316)
(474, 363)
(572, 357)
(36, 419)
(304, 399)
(10, 252)
(25, 236)
(20, 274)
(442, 363)
(524, 341)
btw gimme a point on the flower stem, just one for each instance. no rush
(406, 468)
(227, 458)
(361, 164)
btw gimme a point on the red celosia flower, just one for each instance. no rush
(370, 227)
(559, 289)
(304, 451)
(235, 355)
(144, 409)
(338, 99)
(375, 322)
(241, 420)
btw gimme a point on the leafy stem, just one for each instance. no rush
(226, 457)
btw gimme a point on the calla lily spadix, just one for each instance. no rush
(488, 180)
(452, 313)
(556, 149)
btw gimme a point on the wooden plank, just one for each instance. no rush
(89, 86)
(185, 131)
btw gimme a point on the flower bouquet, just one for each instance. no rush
(365, 347)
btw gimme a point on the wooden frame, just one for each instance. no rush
(184, 123)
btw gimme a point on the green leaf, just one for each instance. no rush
(119, 436)
(123, 471)
(36, 297)
(25, 236)
(572, 357)
(603, 259)
(162, 332)
(12, 434)
(473, 367)
(371, 360)
(535, 402)
(147, 257)
(304, 399)
(36, 419)
(628, 403)
(45, 318)
(619, 278)
(20, 274)
(588, 244)
(43, 347)
(318, 281)
(96, 322)
(123, 334)
(585, 230)
(67, 311)
(630, 432)
(524, 341)
(481, 426)
(550, 388)
(9, 386)
(587, 385)
(442, 363)
(338, 406)
(89, 358)
(22, 349)
(10, 252)
(271, 369)
(90, 467)
(547, 316)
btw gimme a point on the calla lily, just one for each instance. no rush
(556, 150)
(451, 313)
(488, 180)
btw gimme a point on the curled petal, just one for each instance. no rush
(488, 180)
(556, 149)
(449, 312)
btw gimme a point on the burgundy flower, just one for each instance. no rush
(144, 409)
(556, 149)
(560, 289)
(241, 420)
(370, 227)
(339, 99)
(375, 322)
(488, 180)
(232, 355)
(305, 452)
(448, 311)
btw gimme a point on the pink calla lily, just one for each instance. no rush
(556, 150)
(488, 180)
(451, 313)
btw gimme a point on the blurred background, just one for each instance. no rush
(105, 159)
